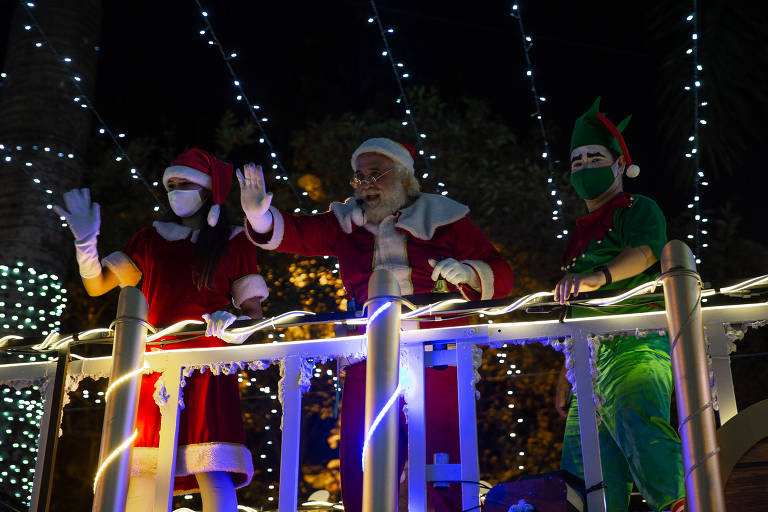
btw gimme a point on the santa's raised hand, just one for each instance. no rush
(82, 216)
(254, 197)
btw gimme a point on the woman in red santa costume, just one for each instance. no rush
(194, 264)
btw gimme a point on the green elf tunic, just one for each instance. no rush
(637, 443)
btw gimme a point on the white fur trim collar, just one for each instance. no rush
(429, 212)
(349, 214)
(421, 219)
(173, 231)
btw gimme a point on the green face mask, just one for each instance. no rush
(592, 181)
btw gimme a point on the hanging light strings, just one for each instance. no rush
(527, 40)
(6, 156)
(84, 102)
(694, 152)
(227, 56)
(398, 68)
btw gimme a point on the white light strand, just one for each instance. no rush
(46, 191)
(112, 456)
(546, 154)
(277, 166)
(398, 68)
(52, 342)
(694, 151)
(84, 102)
(123, 378)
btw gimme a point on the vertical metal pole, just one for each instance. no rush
(703, 484)
(123, 401)
(380, 481)
(291, 440)
(590, 441)
(169, 437)
(49, 435)
(417, 431)
(470, 467)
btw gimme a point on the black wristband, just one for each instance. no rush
(606, 273)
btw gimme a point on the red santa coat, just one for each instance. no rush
(433, 227)
(211, 433)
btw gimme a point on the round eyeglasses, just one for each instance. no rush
(360, 179)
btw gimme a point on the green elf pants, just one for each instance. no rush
(637, 443)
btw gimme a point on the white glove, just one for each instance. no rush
(455, 272)
(254, 197)
(217, 322)
(84, 220)
(82, 216)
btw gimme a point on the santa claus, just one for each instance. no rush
(387, 224)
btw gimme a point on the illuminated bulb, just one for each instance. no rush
(27, 27)
(384, 53)
(205, 14)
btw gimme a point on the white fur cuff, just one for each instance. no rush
(123, 267)
(278, 230)
(197, 458)
(485, 272)
(249, 287)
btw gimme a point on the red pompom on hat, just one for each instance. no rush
(206, 170)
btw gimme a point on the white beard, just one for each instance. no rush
(388, 203)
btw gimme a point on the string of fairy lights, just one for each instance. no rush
(400, 73)
(546, 154)
(254, 110)
(84, 101)
(694, 151)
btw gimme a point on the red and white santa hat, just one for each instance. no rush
(206, 170)
(400, 152)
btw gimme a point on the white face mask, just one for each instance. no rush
(185, 203)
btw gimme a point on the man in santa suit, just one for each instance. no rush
(387, 224)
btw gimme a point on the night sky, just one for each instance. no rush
(305, 61)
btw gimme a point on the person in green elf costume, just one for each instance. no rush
(616, 246)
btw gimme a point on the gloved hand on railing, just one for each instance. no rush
(84, 220)
(216, 324)
(455, 272)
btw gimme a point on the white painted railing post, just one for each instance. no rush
(470, 469)
(590, 444)
(290, 391)
(169, 435)
(417, 430)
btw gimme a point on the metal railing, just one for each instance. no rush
(683, 319)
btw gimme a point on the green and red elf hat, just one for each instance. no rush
(594, 128)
